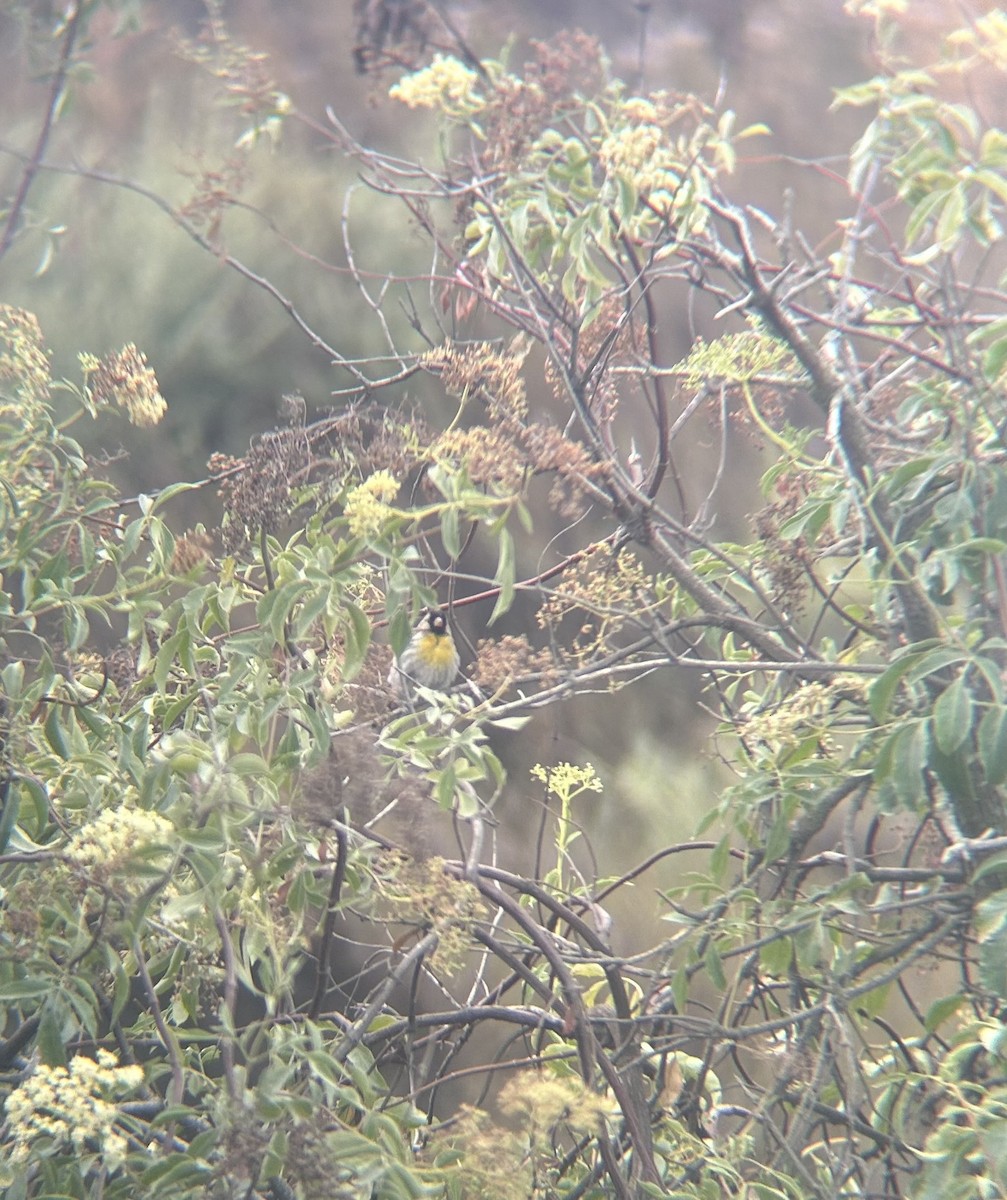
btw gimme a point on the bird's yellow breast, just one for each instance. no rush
(436, 650)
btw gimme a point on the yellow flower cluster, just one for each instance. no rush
(496, 1161)
(367, 506)
(565, 780)
(446, 84)
(637, 108)
(635, 153)
(738, 358)
(125, 379)
(114, 835)
(985, 37)
(70, 1106)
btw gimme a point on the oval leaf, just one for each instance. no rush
(953, 716)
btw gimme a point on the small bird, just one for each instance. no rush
(430, 659)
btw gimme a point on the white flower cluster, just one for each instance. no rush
(802, 714)
(115, 835)
(446, 84)
(70, 1106)
(635, 152)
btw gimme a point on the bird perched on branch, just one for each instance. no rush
(430, 659)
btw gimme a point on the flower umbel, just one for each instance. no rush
(446, 84)
(565, 780)
(114, 836)
(542, 1101)
(367, 508)
(71, 1107)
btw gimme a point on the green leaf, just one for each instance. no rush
(953, 716)
(680, 988)
(902, 759)
(995, 360)
(444, 791)
(936, 658)
(777, 955)
(75, 627)
(55, 734)
(173, 489)
(992, 740)
(451, 533)
(273, 610)
(715, 967)
(719, 857)
(506, 573)
(953, 772)
(51, 1049)
(10, 812)
(24, 989)
(952, 217)
(174, 1173)
(881, 691)
(325, 1066)
(809, 521)
(165, 658)
(942, 1009)
(400, 630)
(357, 639)
(248, 764)
(511, 724)
(991, 921)
(778, 841)
(874, 1001)
(120, 983)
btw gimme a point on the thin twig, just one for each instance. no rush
(34, 163)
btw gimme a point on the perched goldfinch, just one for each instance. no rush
(430, 659)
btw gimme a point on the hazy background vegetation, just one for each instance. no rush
(225, 352)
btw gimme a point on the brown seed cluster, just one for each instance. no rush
(255, 490)
(548, 449)
(783, 559)
(601, 592)
(509, 448)
(421, 894)
(568, 66)
(491, 458)
(481, 371)
(502, 662)
(124, 379)
(192, 549)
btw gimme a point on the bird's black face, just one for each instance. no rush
(437, 622)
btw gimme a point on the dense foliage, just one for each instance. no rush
(231, 964)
